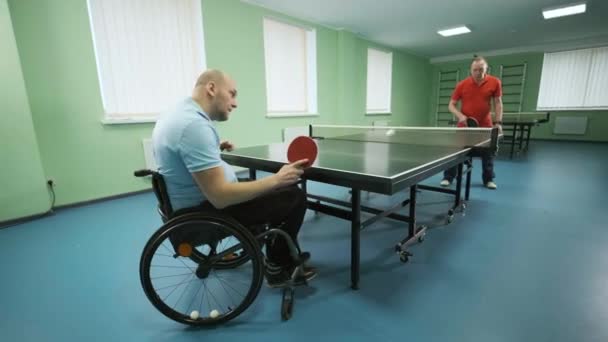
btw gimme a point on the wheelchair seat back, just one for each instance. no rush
(159, 187)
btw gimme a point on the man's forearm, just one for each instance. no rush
(222, 194)
(452, 108)
(498, 111)
(238, 192)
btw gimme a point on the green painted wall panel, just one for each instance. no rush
(22, 181)
(87, 159)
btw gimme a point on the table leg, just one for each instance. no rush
(355, 238)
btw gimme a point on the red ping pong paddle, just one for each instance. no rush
(302, 147)
(469, 122)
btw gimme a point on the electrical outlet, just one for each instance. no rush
(50, 182)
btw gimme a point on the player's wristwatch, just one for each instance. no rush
(498, 123)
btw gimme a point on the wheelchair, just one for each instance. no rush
(203, 268)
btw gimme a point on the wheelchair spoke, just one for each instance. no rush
(178, 258)
(174, 287)
(169, 276)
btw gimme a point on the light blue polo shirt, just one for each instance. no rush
(186, 141)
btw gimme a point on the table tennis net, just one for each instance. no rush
(525, 117)
(431, 136)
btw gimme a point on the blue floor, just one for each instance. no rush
(528, 262)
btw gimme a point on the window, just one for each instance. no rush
(379, 80)
(291, 69)
(148, 54)
(595, 97)
(574, 80)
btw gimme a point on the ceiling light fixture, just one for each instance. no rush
(454, 31)
(562, 11)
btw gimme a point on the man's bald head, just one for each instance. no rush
(216, 93)
(211, 75)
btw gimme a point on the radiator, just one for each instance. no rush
(149, 154)
(380, 123)
(570, 125)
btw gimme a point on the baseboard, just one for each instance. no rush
(25, 219)
(102, 199)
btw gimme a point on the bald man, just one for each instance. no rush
(187, 151)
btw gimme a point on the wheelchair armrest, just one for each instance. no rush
(143, 173)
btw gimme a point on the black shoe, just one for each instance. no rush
(282, 277)
(307, 273)
(277, 280)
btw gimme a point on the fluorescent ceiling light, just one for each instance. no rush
(454, 31)
(564, 10)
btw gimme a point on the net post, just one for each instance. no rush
(494, 141)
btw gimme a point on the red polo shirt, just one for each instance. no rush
(476, 98)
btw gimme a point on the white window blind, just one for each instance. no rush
(291, 69)
(379, 81)
(149, 54)
(597, 88)
(574, 80)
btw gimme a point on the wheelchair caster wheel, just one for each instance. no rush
(404, 256)
(287, 303)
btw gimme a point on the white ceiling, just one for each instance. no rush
(497, 25)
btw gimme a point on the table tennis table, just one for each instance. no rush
(384, 160)
(520, 126)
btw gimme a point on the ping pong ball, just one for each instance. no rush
(214, 314)
(194, 314)
(390, 132)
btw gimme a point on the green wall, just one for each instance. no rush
(22, 181)
(86, 159)
(89, 160)
(410, 85)
(238, 48)
(598, 120)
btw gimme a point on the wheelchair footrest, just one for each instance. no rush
(302, 258)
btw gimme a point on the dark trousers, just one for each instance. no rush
(487, 165)
(285, 206)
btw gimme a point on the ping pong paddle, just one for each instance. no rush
(469, 122)
(472, 122)
(302, 147)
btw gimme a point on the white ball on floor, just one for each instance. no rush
(214, 314)
(390, 132)
(194, 314)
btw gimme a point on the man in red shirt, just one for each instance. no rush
(476, 93)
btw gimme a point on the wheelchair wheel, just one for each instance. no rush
(184, 271)
(230, 260)
(236, 259)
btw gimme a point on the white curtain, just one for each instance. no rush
(149, 53)
(290, 60)
(379, 81)
(574, 80)
(597, 89)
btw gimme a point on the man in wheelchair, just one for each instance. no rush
(187, 152)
